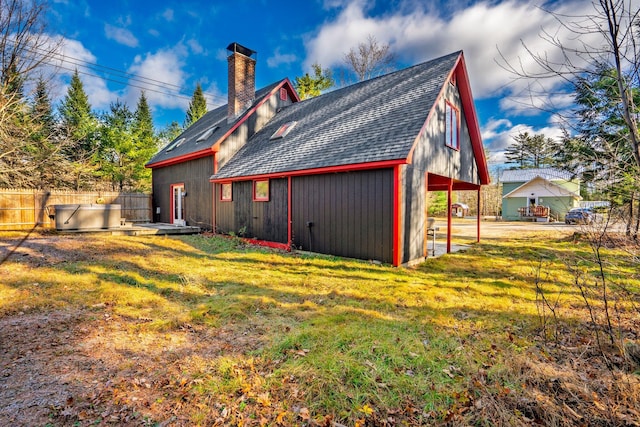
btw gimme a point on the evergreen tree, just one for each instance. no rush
(12, 84)
(602, 153)
(143, 120)
(79, 131)
(117, 143)
(50, 168)
(127, 143)
(531, 151)
(78, 120)
(42, 111)
(197, 107)
(146, 144)
(169, 133)
(309, 86)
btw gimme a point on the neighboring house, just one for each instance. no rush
(347, 173)
(538, 194)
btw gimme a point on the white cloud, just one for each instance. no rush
(500, 133)
(166, 66)
(195, 46)
(120, 35)
(415, 35)
(278, 59)
(73, 55)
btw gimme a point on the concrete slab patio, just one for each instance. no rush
(141, 229)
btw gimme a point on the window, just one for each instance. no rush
(261, 190)
(206, 134)
(226, 192)
(283, 94)
(451, 138)
(175, 144)
(283, 130)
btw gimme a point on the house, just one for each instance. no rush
(459, 209)
(346, 173)
(538, 194)
(182, 193)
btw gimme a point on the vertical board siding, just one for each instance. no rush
(27, 208)
(256, 220)
(431, 155)
(198, 204)
(352, 214)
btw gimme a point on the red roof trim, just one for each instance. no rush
(286, 84)
(317, 171)
(462, 80)
(180, 159)
(459, 74)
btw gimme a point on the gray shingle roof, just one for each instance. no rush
(217, 116)
(375, 120)
(524, 175)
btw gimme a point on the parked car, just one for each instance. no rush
(580, 216)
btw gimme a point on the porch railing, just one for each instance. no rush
(534, 212)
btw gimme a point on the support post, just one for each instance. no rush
(479, 206)
(449, 196)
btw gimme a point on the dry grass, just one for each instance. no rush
(202, 330)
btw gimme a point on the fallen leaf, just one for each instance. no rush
(304, 414)
(367, 410)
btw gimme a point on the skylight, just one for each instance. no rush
(207, 133)
(283, 130)
(175, 144)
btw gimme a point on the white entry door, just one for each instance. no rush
(178, 205)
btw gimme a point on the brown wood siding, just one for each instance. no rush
(195, 175)
(352, 214)
(256, 220)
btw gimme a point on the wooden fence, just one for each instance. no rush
(23, 209)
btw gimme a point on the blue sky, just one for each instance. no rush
(118, 45)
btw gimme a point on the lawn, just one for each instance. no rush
(205, 330)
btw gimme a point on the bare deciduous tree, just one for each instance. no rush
(598, 57)
(370, 59)
(24, 48)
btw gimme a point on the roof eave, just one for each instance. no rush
(315, 171)
(181, 159)
(285, 83)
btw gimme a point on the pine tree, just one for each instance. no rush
(50, 168)
(309, 86)
(143, 120)
(146, 144)
(42, 111)
(78, 121)
(116, 145)
(197, 107)
(169, 133)
(79, 128)
(531, 151)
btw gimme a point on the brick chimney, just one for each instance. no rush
(242, 79)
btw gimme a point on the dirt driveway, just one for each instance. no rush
(466, 227)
